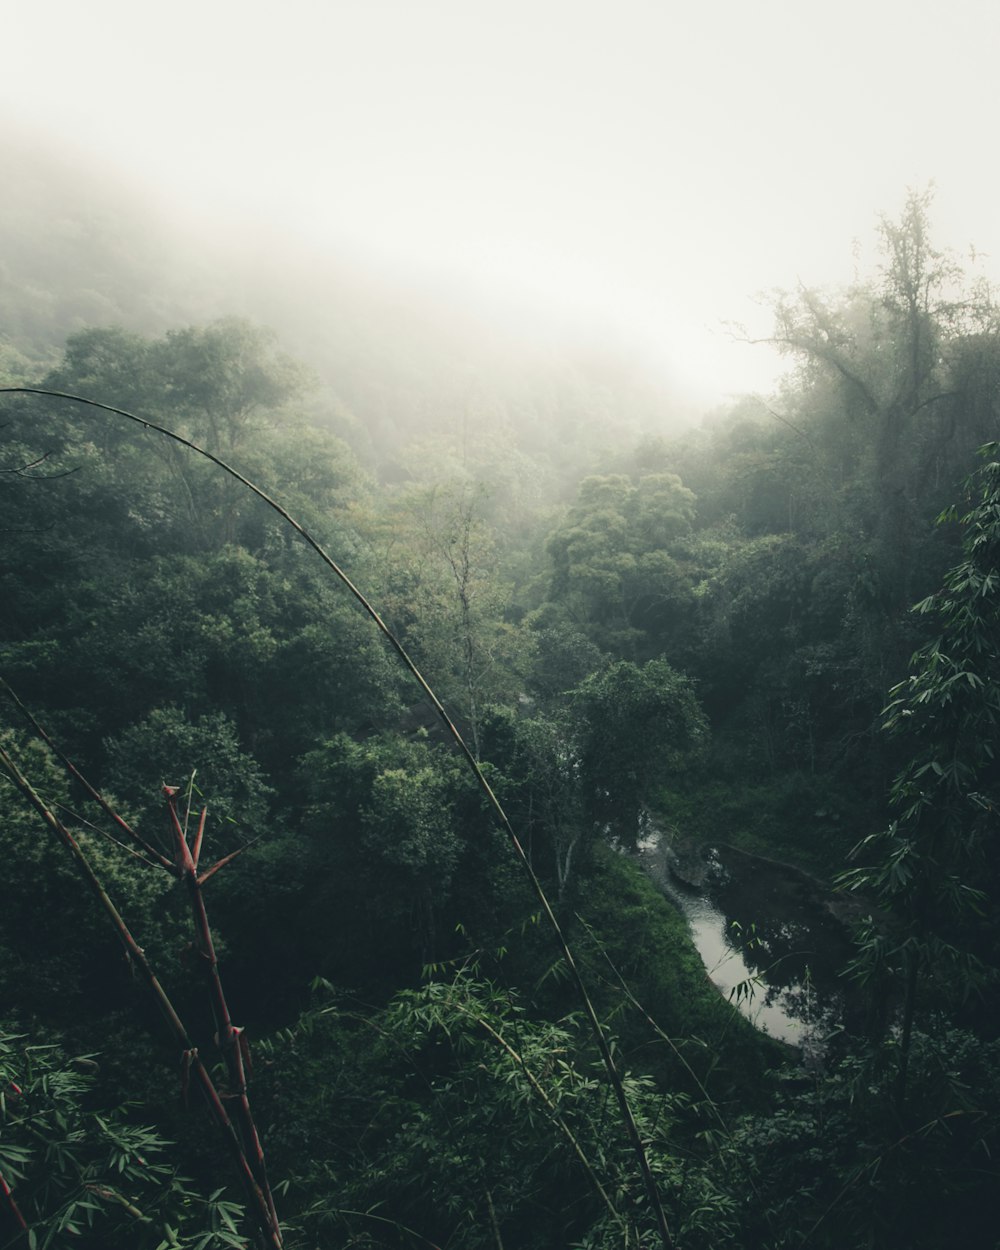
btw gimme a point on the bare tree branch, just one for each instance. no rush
(22, 471)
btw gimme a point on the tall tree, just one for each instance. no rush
(449, 598)
(878, 360)
(637, 724)
(934, 869)
(615, 560)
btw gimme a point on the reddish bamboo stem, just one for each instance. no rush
(229, 1037)
(259, 1206)
(12, 1203)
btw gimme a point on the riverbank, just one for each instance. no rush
(646, 942)
(773, 938)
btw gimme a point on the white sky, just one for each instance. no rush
(651, 163)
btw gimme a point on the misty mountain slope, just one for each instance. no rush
(77, 249)
(405, 362)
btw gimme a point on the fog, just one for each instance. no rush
(642, 172)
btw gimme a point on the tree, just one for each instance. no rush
(884, 371)
(449, 601)
(384, 842)
(60, 969)
(184, 864)
(933, 868)
(112, 362)
(537, 757)
(217, 384)
(460, 1117)
(228, 378)
(636, 725)
(166, 747)
(220, 381)
(586, 769)
(615, 560)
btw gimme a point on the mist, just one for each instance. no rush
(633, 181)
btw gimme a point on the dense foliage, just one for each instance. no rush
(699, 628)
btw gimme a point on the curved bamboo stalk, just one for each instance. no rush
(500, 815)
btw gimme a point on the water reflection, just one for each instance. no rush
(764, 937)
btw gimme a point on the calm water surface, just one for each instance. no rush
(766, 937)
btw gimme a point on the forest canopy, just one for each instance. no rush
(463, 1032)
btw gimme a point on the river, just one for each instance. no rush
(768, 934)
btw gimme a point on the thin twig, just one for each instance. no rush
(68, 764)
(22, 470)
(103, 833)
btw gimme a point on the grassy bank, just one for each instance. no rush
(637, 949)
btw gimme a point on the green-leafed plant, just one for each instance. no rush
(73, 1171)
(457, 1116)
(932, 868)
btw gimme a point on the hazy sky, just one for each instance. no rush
(655, 164)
